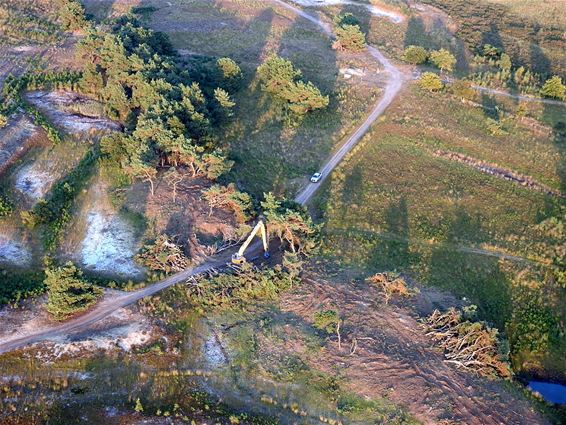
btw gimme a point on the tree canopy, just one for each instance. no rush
(68, 292)
(443, 59)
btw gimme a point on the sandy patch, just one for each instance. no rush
(14, 252)
(374, 10)
(71, 111)
(33, 181)
(109, 246)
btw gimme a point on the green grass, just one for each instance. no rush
(393, 205)
(270, 156)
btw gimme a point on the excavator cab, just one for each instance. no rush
(238, 258)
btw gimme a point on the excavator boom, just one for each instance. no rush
(238, 258)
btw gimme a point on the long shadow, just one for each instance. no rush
(393, 253)
(478, 278)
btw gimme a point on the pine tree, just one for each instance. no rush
(68, 293)
(443, 59)
(554, 88)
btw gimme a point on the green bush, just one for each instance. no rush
(5, 206)
(554, 88)
(430, 81)
(68, 293)
(415, 55)
(350, 38)
(443, 60)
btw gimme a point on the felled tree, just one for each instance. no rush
(390, 285)
(467, 345)
(415, 55)
(163, 255)
(443, 59)
(554, 88)
(68, 293)
(240, 203)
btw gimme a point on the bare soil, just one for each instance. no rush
(19, 135)
(394, 358)
(187, 219)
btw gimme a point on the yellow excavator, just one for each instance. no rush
(238, 258)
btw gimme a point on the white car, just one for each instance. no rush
(316, 177)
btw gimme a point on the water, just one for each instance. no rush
(553, 393)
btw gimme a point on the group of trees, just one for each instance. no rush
(442, 58)
(282, 81)
(349, 36)
(167, 114)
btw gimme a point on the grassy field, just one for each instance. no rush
(269, 154)
(395, 205)
(545, 12)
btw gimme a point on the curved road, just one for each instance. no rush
(111, 304)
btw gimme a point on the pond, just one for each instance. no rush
(553, 393)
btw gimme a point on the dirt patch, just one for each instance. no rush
(187, 219)
(394, 359)
(33, 181)
(71, 111)
(123, 330)
(496, 171)
(16, 139)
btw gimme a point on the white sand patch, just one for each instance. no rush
(109, 246)
(212, 352)
(374, 10)
(54, 104)
(34, 182)
(14, 252)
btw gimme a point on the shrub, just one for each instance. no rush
(554, 88)
(430, 81)
(3, 120)
(463, 89)
(443, 59)
(415, 55)
(5, 206)
(350, 38)
(68, 292)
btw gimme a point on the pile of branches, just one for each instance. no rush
(468, 345)
(390, 284)
(163, 255)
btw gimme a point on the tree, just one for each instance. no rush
(328, 321)
(173, 177)
(430, 81)
(345, 19)
(71, 14)
(224, 100)
(350, 38)
(554, 88)
(3, 120)
(291, 224)
(415, 55)
(443, 59)
(240, 203)
(505, 62)
(281, 80)
(230, 75)
(68, 293)
(139, 407)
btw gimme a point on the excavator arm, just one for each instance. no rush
(238, 257)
